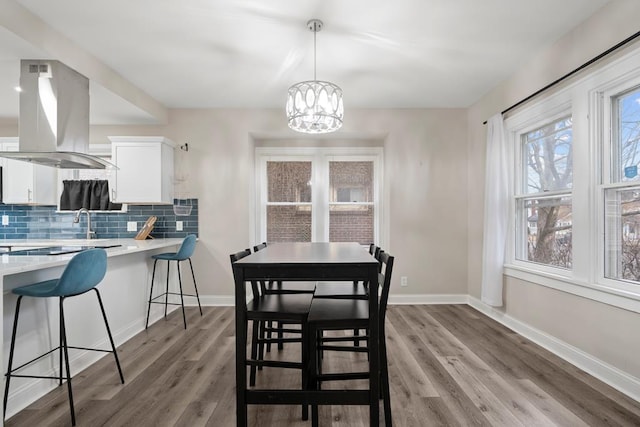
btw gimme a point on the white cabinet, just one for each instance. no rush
(26, 183)
(145, 169)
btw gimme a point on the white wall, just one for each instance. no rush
(602, 331)
(424, 186)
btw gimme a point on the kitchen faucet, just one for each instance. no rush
(90, 234)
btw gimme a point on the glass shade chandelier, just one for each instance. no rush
(315, 106)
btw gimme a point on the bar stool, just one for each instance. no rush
(184, 253)
(83, 272)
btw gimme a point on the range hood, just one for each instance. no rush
(54, 117)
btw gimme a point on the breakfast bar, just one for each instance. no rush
(124, 290)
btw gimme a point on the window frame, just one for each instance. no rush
(588, 98)
(320, 158)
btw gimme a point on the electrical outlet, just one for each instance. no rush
(178, 225)
(5, 219)
(404, 281)
(132, 226)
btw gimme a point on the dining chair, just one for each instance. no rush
(289, 309)
(348, 290)
(270, 287)
(81, 275)
(345, 315)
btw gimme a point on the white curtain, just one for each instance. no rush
(496, 211)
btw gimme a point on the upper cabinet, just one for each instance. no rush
(26, 183)
(145, 169)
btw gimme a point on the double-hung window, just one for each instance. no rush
(576, 199)
(543, 204)
(319, 194)
(621, 185)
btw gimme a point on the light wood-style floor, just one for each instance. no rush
(449, 366)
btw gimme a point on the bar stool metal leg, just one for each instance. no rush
(195, 286)
(13, 345)
(166, 295)
(184, 317)
(66, 361)
(153, 275)
(106, 324)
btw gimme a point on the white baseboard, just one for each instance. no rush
(606, 373)
(422, 299)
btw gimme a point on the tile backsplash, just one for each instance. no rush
(44, 222)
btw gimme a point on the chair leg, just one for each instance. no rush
(305, 365)
(254, 353)
(193, 276)
(66, 360)
(13, 345)
(269, 335)
(261, 336)
(280, 336)
(153, 275)
(166, 295)
(312, 367)
(61, 356)
(184, 317)
(106, 324)
(384, 380)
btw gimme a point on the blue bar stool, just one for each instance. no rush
(184, 253)
(83, 272)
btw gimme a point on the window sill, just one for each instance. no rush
(601, 293)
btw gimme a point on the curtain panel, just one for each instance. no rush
(497, 197)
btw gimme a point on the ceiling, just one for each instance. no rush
(144, 56)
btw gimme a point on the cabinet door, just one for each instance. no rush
(139, 173)
(17, 179)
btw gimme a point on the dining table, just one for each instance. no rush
(306, 261)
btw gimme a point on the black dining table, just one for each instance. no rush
(321, 262)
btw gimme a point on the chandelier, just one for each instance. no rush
(315, 106)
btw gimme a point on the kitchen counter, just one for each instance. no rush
(10, 264)
(124, 290)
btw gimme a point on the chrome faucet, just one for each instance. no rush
(90, 234)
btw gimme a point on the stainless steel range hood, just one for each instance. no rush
(54, 117)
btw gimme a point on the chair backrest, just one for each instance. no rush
(84, 271)
(187, 247)
(238, 256)
(259, 247)
(384, 280)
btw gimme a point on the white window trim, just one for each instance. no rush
(591, 169)
(320, 154)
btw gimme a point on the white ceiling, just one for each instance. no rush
(226, 53)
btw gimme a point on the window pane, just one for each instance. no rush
(289, 181)
(289, 223)
(548, 157)
(622, 234)
(548, 223)
(351, 181)
(351, 223)
(627, 137)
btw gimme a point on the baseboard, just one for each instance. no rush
(606, 373)
(421, 299)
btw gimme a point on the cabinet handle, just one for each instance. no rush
(29, 192)
(113, 194)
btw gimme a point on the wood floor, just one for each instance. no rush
(449, 366)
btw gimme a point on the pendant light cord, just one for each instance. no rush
(315, 32)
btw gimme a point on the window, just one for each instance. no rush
(622, 191)
(544, 208)
(576, 199)
(319, 194)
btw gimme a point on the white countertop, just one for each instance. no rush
(19, 263)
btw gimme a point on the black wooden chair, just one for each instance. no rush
(272, 287)
(288, 309)
(348, 314)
